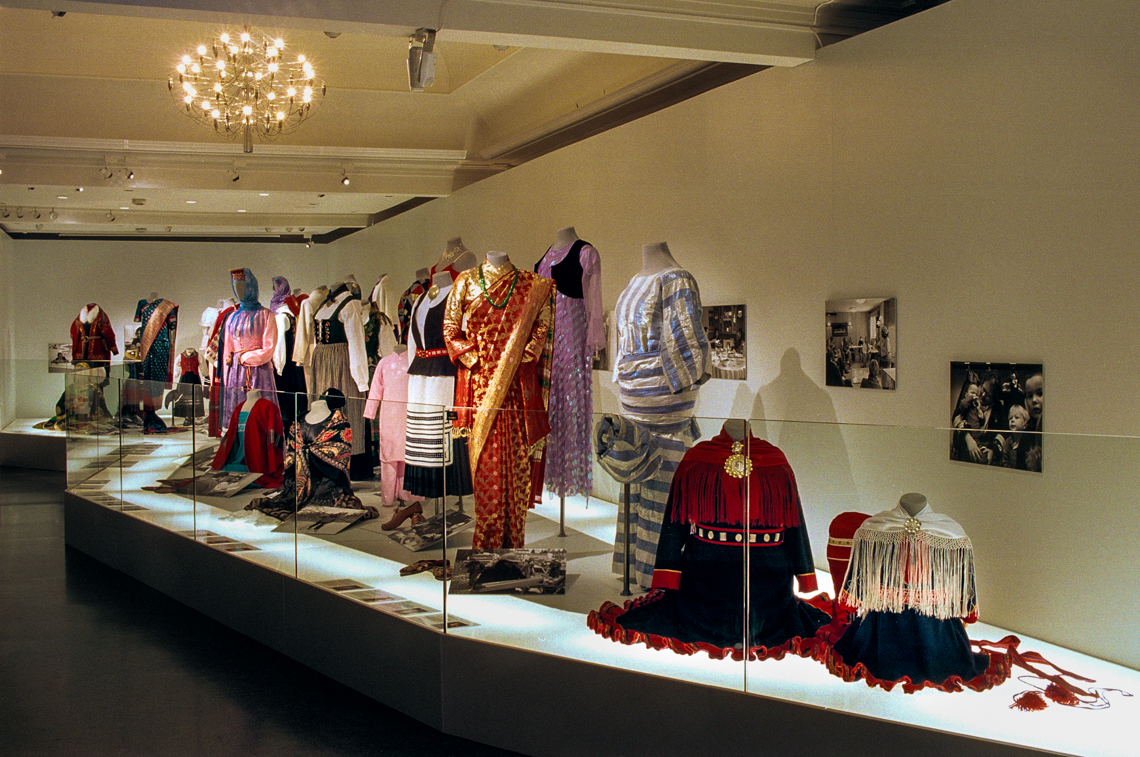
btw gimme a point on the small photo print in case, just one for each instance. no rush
(238, 547)
(517, 571)
(405, 608)
(341, 584)
(439, 623)
(372, 596)
(996, 413)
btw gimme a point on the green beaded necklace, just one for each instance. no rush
(483, 286)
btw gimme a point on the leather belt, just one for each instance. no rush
(757, 537)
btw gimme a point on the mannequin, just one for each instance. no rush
(456, 257)
(498, 331)
(247, 350)
(340, 361)
(731, 495)
(656, 258)
(159, 319)
(316, 464)
(913, 503)
(407, 300)
(435, 462)
(318, 412)
(579, 332)
(659, 365)
(93, 338)
(565, 237)
(253, 441)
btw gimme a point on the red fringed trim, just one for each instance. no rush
(995, 674)
(704, 493)
(1029, 701)
(605, 622)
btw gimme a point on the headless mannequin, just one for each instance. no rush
(89, 316)
(423, 274)
(456, 255)
(656, 258)
(498, 258)
(318, 413)
(913, 503)
(227, 302)
(565, 238)
(439, 281)
(736, 428)
(152, 297)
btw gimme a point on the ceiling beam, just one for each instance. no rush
(753, 33)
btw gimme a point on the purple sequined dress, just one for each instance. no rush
(578, 332)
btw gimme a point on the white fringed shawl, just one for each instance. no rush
(930, 571)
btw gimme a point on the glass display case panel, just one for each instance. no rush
(86, 412)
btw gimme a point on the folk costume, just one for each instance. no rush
(578, 333)
(213, 353)
(727, 498)
(186, 399)
(911, 583)
(93, 338)
(498, 331)
(436, 459)
(253, 442)
(339, 360)
(288, 376)
(159, 319)
(661, 356)
(316, 470)
(247, 350)
(404, 307)
(387, 407)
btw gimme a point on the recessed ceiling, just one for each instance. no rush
(92, 110)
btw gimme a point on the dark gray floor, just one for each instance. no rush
(94, 663)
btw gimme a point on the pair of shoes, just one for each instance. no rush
(420, 567)
(402, 515)
(442, 572)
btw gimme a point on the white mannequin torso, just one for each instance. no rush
(498, 258)
(656, 258)
(913, 503)
(564, 238)
(318, 412)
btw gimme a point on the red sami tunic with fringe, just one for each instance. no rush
(260, 455)
(710, 518)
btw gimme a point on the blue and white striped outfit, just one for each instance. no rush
(662, 357)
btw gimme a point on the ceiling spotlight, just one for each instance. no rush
(106, 172)
(268, 230)
(421, 59)
(53, 215)
(4, 212)
(36, 214)
(130, 174)
(168, 228)
(79, 189)
(308, 243)
(234, 175)
(110, 216)
(344, 176)
(39, 227)
(19, 212)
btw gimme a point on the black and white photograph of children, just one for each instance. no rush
(996, 413)
(724, 327)
(862, 348)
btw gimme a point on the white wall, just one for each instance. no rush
(7, 367)
(978, 163)
(54, 280)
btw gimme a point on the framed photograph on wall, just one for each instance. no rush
(996, 411)
(724, 327)
(861, 346)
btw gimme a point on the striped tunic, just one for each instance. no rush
(661, 361)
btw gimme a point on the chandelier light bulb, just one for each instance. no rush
(291, 92)
(189, 99)
(186, 60)
(280, 116)
(272, 96)
(215, 113)
(246, 110)
(279, 43)
(245, 36)
(225, 38)
(196, 68)
(180, 68)
(300, 58)
(272, 67)
(201, 49)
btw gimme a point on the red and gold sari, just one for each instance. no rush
(503, 353)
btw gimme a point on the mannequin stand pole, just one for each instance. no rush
(459, 503)
(562, 515)
(625, 592)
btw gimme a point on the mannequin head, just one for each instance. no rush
(245, 288)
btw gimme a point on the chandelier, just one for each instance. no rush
(245, 84)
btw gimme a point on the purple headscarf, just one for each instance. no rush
(281, 290)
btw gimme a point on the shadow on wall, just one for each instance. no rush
(813, 443)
